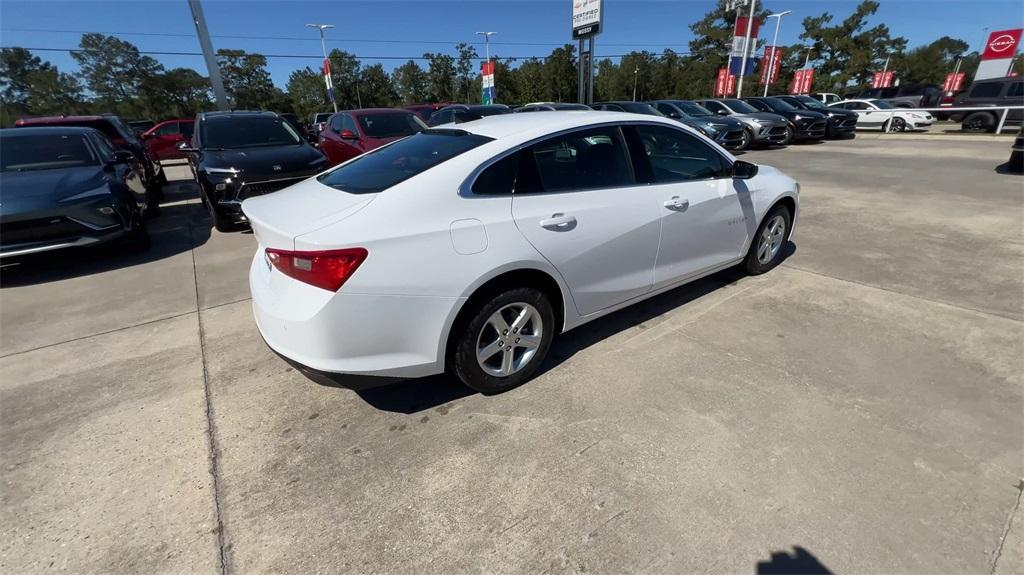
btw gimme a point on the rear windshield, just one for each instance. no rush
(489, 110)
(390, 125)
(380, 169)
(49, 152)
(740, 107)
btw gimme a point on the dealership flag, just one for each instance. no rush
(806, 81)
(770, 76)
(998, 55)
(953, 82)
(739, 42)
(327, 79)
(725, 84)
(487, 86)
(882, 79)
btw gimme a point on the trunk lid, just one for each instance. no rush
(278, 218)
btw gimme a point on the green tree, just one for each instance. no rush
(16, 66)
(560, 74)
(376, 88)
(115, 73)
(411, 82)
(529, 82)
(929, 64)
(345, 70)
(307, 91)
(440, 77)
(505, 86)
(246, 79)
(466, 73)
(53, 92)
(177, 93)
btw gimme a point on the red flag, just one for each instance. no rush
(771, 64)
(741, 27)
(720, 83)
(730, 86)
(807, 80)
(797, 83)
(887, 79)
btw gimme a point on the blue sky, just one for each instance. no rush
(393, 28)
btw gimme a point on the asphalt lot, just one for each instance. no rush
(862, 402)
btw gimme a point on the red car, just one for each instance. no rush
(162, 139)
(353, 132)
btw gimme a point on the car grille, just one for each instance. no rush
(40, 230)
(814, 129)
(733, 137)
(848, 123)
(777, 134)
(253, 189)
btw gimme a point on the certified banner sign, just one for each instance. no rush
(586, 18)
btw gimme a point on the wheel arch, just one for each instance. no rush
(513, 275)
(789, 202)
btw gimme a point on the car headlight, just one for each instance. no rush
(222, 171)
(798, 117)
(93, 193)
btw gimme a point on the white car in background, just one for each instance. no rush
(881, 115)
(468, 248)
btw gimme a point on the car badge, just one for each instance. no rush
(277, 167)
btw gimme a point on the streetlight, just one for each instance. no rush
(775, 42)
(323, 48)
(487, 42)
(485, 98)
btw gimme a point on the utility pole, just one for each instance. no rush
(323, 48)
(775, 42)
(636, 70)
(211, 62)
(746, 49)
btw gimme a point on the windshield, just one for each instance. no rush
(384, 167)
(390, 125)
(740, 107)
(640, 108)
(257, 131)
(691, 109)
(321, 118)
(811, 103)
(882, 105)
(45, 152)
(489, 110)
(778, 105)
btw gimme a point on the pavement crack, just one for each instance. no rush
(1006, 528)
(211, 427)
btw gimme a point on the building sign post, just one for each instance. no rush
(586, 24)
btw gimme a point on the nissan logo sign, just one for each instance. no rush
(1002, 43)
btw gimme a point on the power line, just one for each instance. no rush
(308, 39)
(317, 57)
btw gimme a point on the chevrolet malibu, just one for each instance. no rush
(468, 248)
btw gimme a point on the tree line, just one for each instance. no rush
(114, 76)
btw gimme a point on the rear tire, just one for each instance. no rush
(766, 247)
(978, 122)
(492, 352)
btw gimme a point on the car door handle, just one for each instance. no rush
(558, 222)
(676, 204)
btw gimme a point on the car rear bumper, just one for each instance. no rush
(350, 333)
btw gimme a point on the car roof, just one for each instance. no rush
(60, 119)
(237, 114)
(505, 125)
(370, 111)
(49, 130)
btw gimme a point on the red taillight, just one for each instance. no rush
(324, 269)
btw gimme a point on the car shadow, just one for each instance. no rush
(413, 395)
(800, 562)
(181, 226)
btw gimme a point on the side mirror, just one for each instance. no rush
(675, 115)
(122, 157)
(743, 170)
(348, 135)
(722, 112)
(184, 147)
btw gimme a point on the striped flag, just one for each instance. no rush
(327, 79)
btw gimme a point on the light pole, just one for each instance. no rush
(323, 48)
(746, 48)
(775, 42)
(487, 51)
(636, 70)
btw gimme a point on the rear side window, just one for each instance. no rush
(1016, 90)
(380, 169)
(499, 178)
(760, 105)
(588, 159)
(987, 90)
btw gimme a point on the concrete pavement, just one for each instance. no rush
(862, 402)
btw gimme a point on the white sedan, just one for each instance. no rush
(881, 115)
(468, 248)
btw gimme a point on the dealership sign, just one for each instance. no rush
(586, 18)
(998, 54)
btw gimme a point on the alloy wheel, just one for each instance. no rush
(771, 239)
(509, 339)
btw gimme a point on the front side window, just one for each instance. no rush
(1016, 90)
(251, 132)
(187, 128)
(676, 156)
(384, 167)
(987, 90)
(587, 159)
(760, 106)
(741, 107)
(335, 122)
(167, 129)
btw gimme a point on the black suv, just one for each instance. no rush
(459, 113)
(992, 92)
(841, 123)
(803, 124)
(238, 155)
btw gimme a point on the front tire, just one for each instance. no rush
(505, 341)
(766, 248)
(790, 134)
(748, 139)
(221, 221)
(978, 122)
